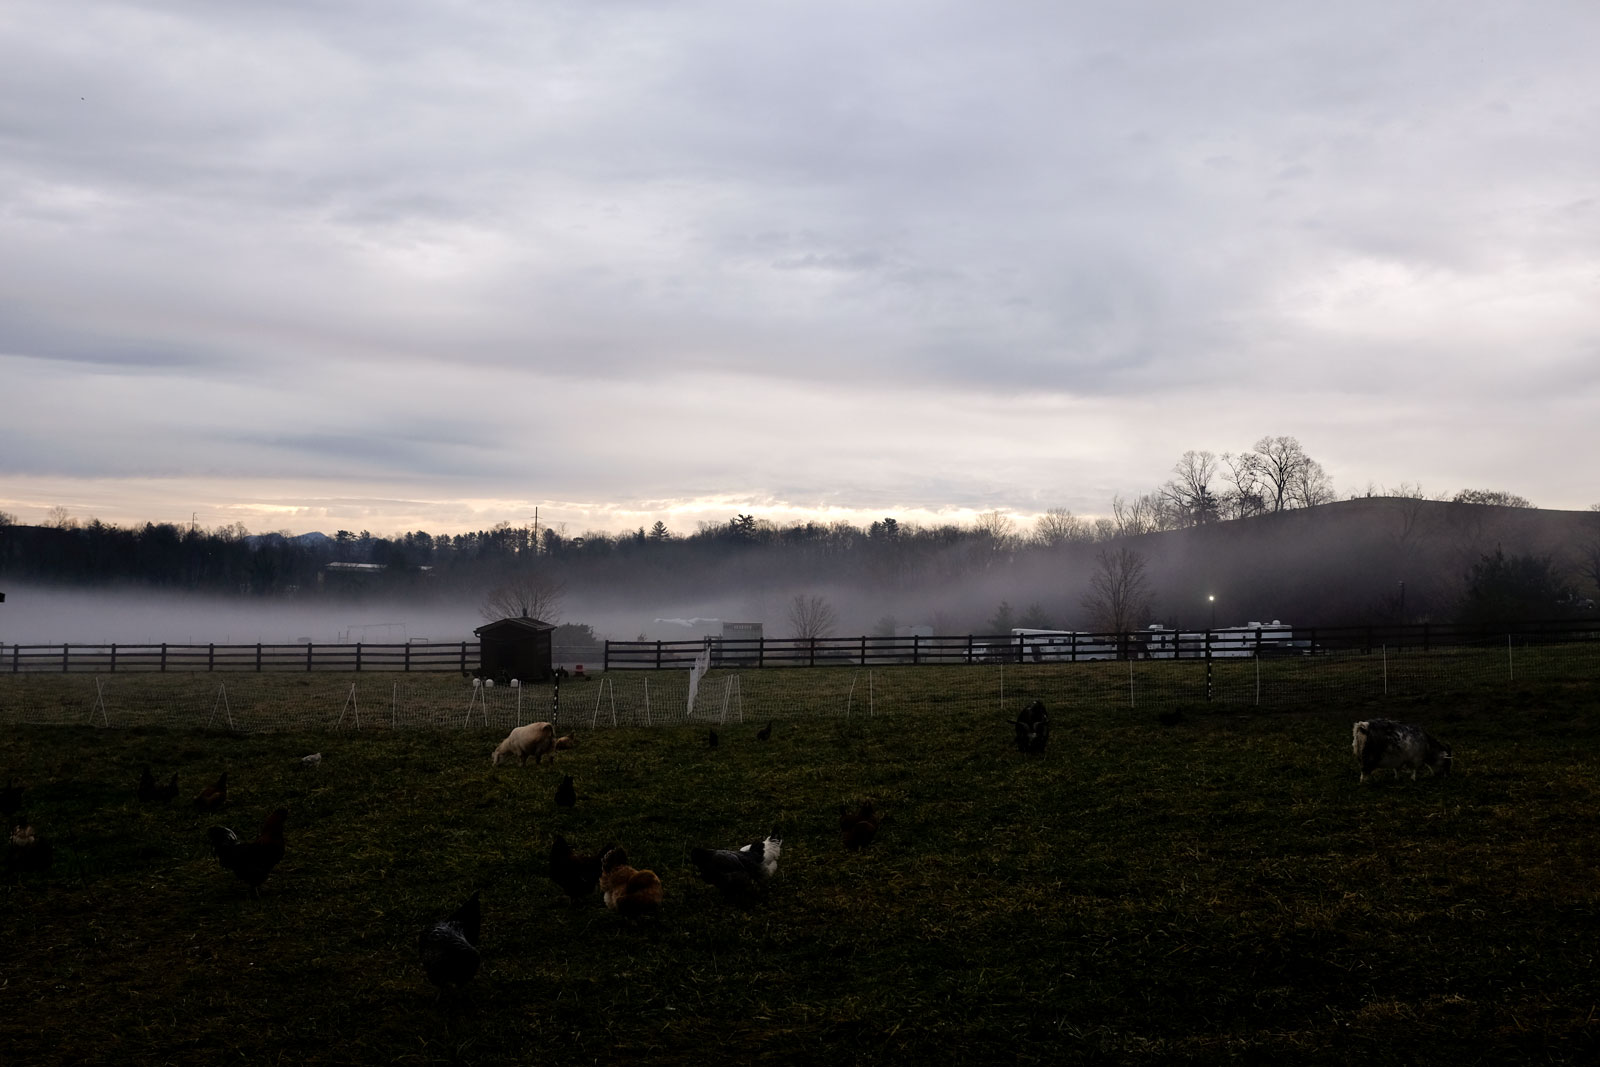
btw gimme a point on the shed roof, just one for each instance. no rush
(521, 623)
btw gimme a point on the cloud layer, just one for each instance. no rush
(428, 265)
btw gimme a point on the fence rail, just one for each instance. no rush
(1044, 646)
(1035, 646)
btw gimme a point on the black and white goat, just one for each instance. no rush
(1380, 743)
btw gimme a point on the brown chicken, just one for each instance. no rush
(28, 849)
(859, 828)
(252, 861)
(575, 872)
(213, 796)
(628, 892)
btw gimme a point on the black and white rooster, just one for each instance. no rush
(740, 874)
(449, 947)
(1033, 728)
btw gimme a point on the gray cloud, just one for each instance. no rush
(930, 254)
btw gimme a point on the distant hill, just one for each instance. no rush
(1373, 559)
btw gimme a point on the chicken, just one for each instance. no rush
(11, 798)
(29, 850)
(449, 947)
(213, 796)
(566, 795)
(859, 827)
(765, 733)
(575, 872)
(149, 791)
(740, 874)
(628, 892)
(252, 861)
(711, 739)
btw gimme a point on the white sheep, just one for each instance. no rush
(537, 739)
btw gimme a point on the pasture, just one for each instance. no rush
(1216, 889)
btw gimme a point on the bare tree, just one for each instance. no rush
(1058, 526)
(1281, 463)
(811, 616)
(1189, 493)
(527, 594)
(1140, 516)
(998, 527)
(1119, 597)
(1243, 497)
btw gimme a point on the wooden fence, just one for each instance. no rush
(1037, 646)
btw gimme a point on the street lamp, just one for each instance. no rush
(1213, 600)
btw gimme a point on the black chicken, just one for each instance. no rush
(858, 828)
(765, 733)
(252, 861)
(576, 873)
(449, 947)
(566, 795)
(149, 791)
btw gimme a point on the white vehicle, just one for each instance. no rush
(1064, 646)
(1226, 642)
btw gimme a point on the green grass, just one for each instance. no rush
(1218, 890)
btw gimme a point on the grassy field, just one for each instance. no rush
(1217, 890)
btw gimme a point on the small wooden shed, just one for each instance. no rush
(515, 648)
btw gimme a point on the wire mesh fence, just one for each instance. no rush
(254, 703)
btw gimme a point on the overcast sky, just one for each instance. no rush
(389, 265)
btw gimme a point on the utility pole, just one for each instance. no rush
(536, 530)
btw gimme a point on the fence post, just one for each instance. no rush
(1208, 666)
(408, 656)
(358, 657)
(113, 657)
(163, 655)
(916, 650)
(211, 656)
(258, 657)
(309, 647)
(65, 656)
(658, 654)
(811, 653)
(605, 657)
(463, 657)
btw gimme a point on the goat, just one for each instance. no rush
(537, 739)
(1380, 743)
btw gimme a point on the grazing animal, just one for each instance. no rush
(739, 874)
(765, 733)
(213, 796)
(565, 742)
(1033, 728)
(149, 791)
(859, 827)
(537, 739)
(449, 947)
(711, 739)
(566, 795)
(11, 798)
(252, 861)
(313, 760)
(28, 850)
(576, 873)
(628, 892)
(1380, 743)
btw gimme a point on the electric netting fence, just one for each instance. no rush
(268, 702)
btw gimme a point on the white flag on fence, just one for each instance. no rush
(702, 663)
